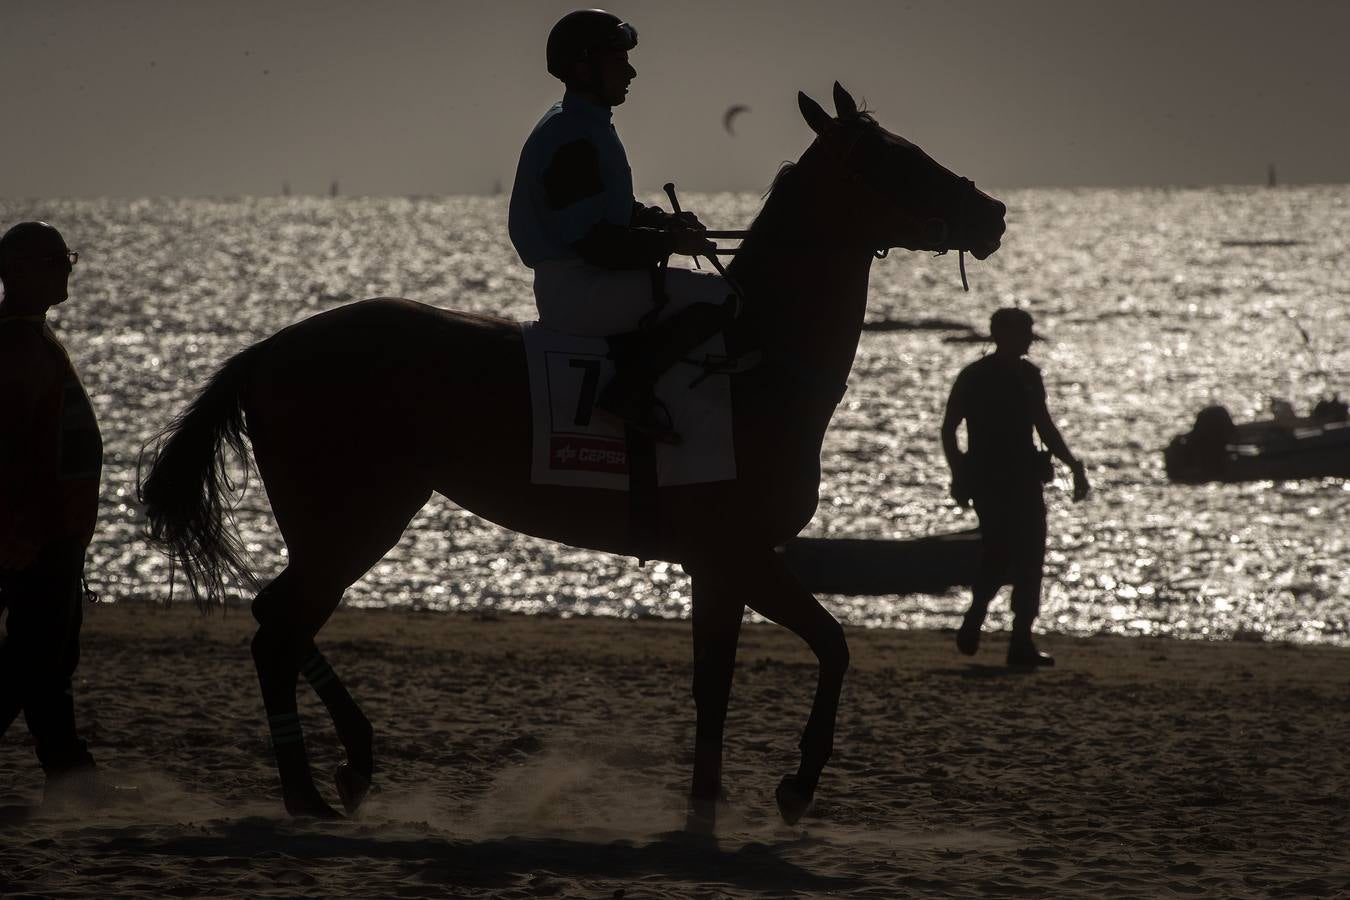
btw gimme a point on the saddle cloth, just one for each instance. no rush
(575, 445)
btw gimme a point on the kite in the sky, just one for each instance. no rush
(731, 113)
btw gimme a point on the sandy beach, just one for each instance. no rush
(539, 756)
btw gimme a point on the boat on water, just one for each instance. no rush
(1283, 448)
(874, 567)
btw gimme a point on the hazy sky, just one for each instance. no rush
(137, 97)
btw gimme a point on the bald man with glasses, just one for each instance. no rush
(51, 458)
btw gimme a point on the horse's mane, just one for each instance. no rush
(784, 169)
(784, 180)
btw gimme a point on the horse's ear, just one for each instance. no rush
(844, 105)
(815, 116)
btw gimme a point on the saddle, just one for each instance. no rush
(575, 446)
(652, 408)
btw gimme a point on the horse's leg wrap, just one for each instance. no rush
(277, 671)
(285, 729)
(353, 728)
(318, 672)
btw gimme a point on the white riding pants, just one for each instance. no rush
(576, 297)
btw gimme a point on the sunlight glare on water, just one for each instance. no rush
(1148, 317)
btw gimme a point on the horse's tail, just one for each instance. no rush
(186, 493)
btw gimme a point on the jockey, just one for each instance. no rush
(593, 248)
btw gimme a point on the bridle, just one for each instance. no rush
(923, 226)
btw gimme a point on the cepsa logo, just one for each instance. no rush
(589, 454)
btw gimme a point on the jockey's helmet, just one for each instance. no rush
(581, 33)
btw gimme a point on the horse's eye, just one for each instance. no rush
(867, 159)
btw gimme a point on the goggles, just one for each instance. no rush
(622, 37)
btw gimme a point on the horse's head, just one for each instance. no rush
(898, 195)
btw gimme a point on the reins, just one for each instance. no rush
(669, 188)
(853, 174)
(741, 234)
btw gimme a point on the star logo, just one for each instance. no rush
(565, 454)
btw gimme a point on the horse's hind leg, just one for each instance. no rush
(716, 617)
(279, 643)
(278, 647)
(330, 549)
(353, 729)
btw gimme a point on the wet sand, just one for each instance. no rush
(538, 756)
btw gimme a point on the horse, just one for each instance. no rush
(345, 393)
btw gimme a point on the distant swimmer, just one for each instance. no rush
(1001, 398)
(599, 257)
(51, 458)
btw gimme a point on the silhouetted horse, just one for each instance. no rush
(357, 414)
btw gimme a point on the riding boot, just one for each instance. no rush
(641, 357)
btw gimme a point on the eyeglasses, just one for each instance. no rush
(70, 256)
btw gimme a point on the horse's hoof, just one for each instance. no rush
(352, 787)
(699, 824)
(793, 799)
(701, 817)
(315, 807)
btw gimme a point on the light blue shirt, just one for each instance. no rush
(573, 173)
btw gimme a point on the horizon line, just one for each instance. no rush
(1176, 186)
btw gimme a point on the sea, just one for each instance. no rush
(1149, 308)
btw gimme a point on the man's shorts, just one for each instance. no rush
(1013, 531)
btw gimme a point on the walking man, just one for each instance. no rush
(51, 457)
(1001, 398)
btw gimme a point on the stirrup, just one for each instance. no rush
(717, 364)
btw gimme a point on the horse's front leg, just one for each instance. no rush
(776, 594)
(717, 617)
